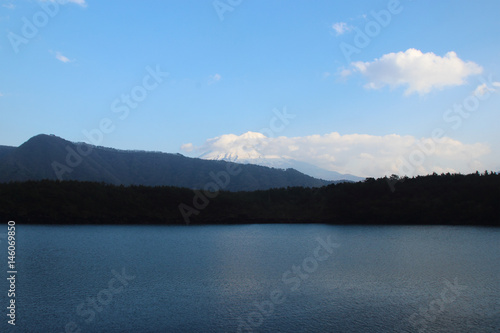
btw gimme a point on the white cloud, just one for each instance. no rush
(214, 78)
(358, 154)
(345, 72)
(420, 72)
(9, 5)
(341, 28)
(61, 57)
(81, 3)
(482, 89)
(188, 147)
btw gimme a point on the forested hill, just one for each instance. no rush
(53, 158)
(445, 199)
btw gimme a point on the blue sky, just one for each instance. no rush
(226, 76)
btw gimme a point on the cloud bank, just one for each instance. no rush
(359, 154)
(419, 72)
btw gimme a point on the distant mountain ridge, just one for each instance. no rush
(286, 163)
(47, 156)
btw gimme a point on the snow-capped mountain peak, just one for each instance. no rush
(249, 148)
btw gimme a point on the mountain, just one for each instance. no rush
(310, 169)
(51, 157)
(250, 153)
(4, 150)
(286, 163)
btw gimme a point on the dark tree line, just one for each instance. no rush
(435, 199)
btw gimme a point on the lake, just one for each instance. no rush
(256, 278)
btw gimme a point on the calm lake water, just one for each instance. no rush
(256, 278)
